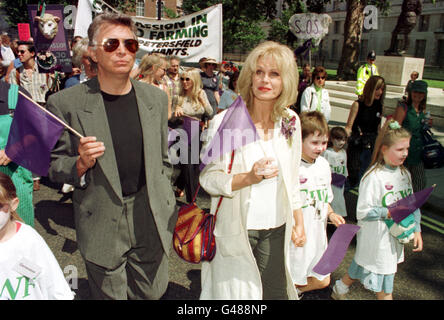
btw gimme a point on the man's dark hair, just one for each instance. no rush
(29, 44)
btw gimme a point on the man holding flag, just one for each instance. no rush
(123, 201)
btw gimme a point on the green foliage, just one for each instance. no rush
(170, 13)
(244, 35)
(279, 28)
(123, 6)
(241, 26)
(17, 11)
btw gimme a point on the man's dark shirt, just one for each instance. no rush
(126, 132)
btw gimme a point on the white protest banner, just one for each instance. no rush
(83, 18)
(310, 26)
(189, 37)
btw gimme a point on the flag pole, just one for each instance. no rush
(53, 116)
(106, 4)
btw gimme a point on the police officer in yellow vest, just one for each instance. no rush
(366, 71)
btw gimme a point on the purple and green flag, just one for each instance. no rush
(236, 130)
(32, 136)
(402, 208)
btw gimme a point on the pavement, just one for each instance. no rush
(420, 277)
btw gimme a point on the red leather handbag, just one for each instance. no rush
(193, 238)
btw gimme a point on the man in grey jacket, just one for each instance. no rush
(124, 206)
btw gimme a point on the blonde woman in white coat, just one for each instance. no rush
(315, 97)
(261, 210)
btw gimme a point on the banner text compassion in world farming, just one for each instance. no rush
(190, 37)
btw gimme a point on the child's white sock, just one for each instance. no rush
(341, 287)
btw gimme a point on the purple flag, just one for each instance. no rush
(337, 247)
(236, 130)
(337, 180)
(191, 127)
(402, 208)
(32, 136)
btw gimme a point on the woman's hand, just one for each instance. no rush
(178, 112)
(298, 235)
(263, 169)
(298, 231)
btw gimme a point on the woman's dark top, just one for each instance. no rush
(368, 118)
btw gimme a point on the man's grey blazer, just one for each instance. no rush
(98, 205)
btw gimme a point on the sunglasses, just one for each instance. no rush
(185, 79)
(319, 78)
(22, 51)
(110, 45)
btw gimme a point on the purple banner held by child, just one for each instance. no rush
(402, 208)
(337, 247)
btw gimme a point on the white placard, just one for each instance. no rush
(189, 37)
(310, 26)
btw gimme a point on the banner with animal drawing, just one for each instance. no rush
(50, 40)
(189, 37)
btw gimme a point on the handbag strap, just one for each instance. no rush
(221, 197)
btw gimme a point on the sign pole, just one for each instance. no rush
(159, 9)
(309, 57)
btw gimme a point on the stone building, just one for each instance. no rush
(426, 40)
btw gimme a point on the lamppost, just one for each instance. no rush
(159, 5)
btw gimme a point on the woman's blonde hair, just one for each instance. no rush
(8, 193)
(373, 84)
(194, 94)
(150, 63)
(284, 58)
(390, 133)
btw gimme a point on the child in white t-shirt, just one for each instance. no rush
(337, 158)
(28, 269)
(316, 194)
(378, 249)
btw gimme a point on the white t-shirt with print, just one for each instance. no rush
(316, 194)
(376, 250)
(338, 164)
(28, 250)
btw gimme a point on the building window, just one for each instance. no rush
(337, 27)
(420, 48)
(140, 8)
(336, 5)
(423, 25)
(334, 49)
(440, 55)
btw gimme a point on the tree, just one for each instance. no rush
(241, 26)
(17, 10)
(349, 61)
(280, 29)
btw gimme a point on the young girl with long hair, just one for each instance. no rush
(378, 250)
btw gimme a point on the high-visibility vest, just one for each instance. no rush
(364, 73)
